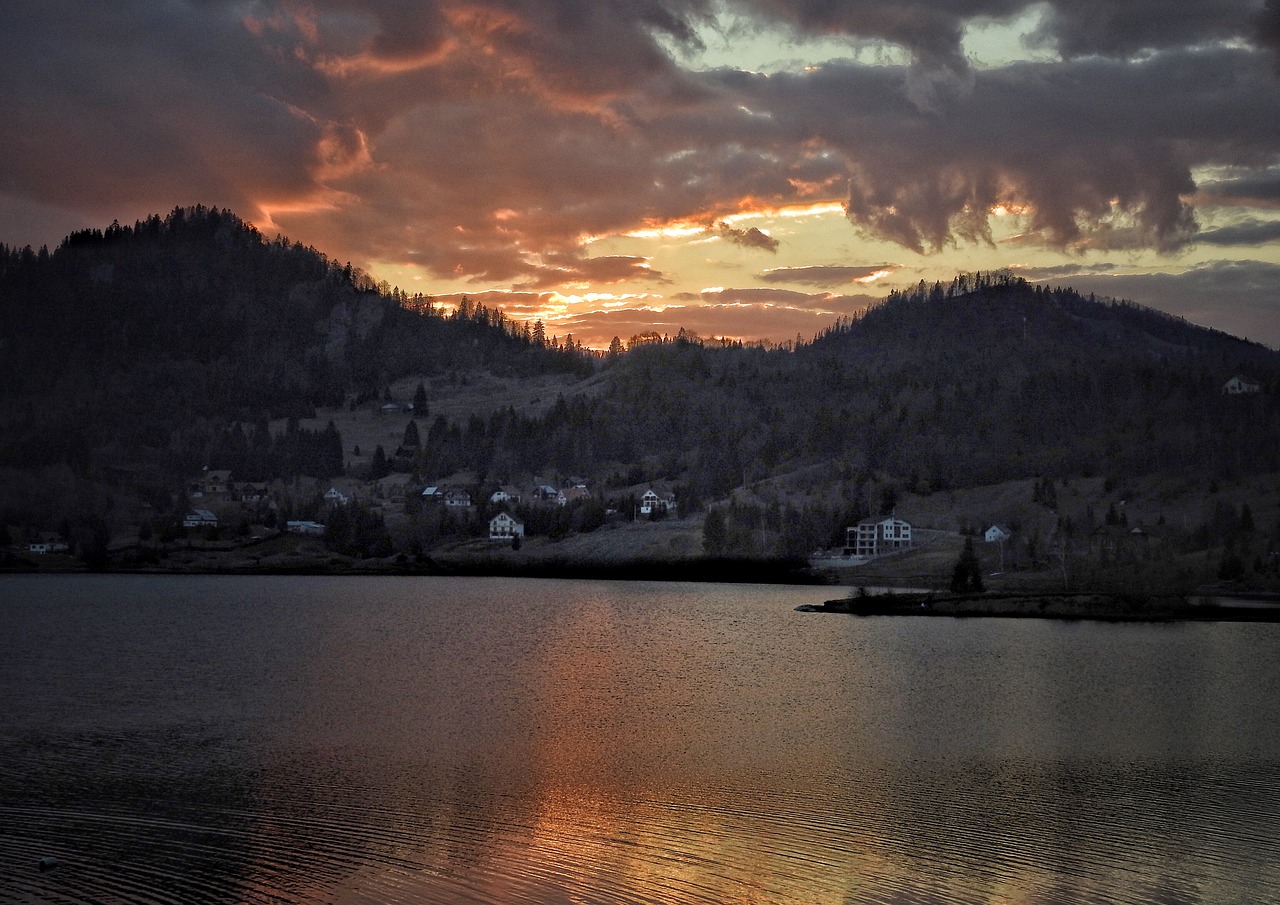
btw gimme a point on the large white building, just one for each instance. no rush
(504, 526)
(877, 536)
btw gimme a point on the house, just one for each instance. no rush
(878, 536)
(457, 499)
(45, 546)
(505, 494)
(657, 501)
(335, 497)
(545, 493)
(433, 493)
(575, 493)
(997, 534)
(211, 482)
(1240, 385)
(252, 492)
(304, 527)
(504, 526)
(200, 518)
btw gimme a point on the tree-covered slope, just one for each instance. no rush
(128, 336)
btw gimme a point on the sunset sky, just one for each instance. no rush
(748, 168)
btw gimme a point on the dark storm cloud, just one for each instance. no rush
(1268, 28)
(1258, 189)
(1121, 28)
(167, 103)
(1246, 232)
(1099, 153)
(486, 139)
(933, 31)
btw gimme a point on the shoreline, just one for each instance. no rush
(1087, 606)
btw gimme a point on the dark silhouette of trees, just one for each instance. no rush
(966, 577)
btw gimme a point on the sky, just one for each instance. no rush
(752, 169)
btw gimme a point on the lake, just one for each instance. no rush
(341, 740)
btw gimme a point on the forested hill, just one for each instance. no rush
(144, 345)
(992, 377)
(127, 334)
(943, 387)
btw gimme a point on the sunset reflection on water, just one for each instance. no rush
(350, 741)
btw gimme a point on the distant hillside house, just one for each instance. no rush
(997, 533)
(457, 499)
(579, 492)
(877, 536)
(200, 518)
(252, 492)
(545, 493)
(43, 547)
(1241, 385)
(657, 501)
(505, 494)
(336, 497)
(504, 527)
(211, 483)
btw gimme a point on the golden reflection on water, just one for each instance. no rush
(553, 742)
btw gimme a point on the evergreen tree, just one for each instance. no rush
(967, 577)
(379, 467)
(420, 401)
(715, 533)
(411, 438)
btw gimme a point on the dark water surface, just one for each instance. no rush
(389, 740)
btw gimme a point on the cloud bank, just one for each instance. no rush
(486, 140)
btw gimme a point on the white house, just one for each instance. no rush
(653, 501)
(457, 499)
(996, 534)
(504, 526)
(505, 494)
(43, 547)
(336, 497)
(200, 518)
(1240, 385)
(877, 536)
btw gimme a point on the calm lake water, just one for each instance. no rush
(393, 740)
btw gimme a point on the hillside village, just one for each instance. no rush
(289, 413)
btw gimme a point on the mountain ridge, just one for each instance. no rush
(187, 342)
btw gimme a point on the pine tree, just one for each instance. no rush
(714, 533)
(420, 401)
(379, 468)
(967, 577)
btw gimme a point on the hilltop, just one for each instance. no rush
(136, 357)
